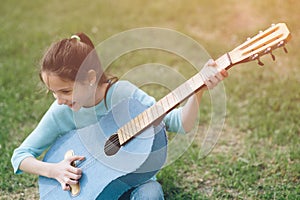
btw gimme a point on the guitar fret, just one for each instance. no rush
(127, 130)
(198, 80)
(164, 103)
(173, 99)
(168, 106)
(177, 91)
(138, 118)
(150, 112)
(193, 84)
(146, 118)
(155, 114)
(141, 120)
(182, 92)
(137, 125)
(170, 100)
(223, 62)
(188, 90)
(133, 128)
(160, 109)
(121, 135)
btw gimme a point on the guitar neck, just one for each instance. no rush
(263, 43)
(166, 104)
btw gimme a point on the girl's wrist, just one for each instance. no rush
(50, 170)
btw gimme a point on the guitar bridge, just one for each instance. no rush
(75, 189)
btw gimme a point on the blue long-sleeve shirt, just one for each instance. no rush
(60, 119)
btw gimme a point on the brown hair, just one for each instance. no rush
(72, 58)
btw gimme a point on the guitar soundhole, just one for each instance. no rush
(112, 145)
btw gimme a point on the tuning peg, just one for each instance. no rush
(272, 25)
(282, 44)
(273, 57)
(260, 32)
(255, 56)
(248, 38)
(259, 62)
(269, 50)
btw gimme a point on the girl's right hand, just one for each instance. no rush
(210, 74)
(65, 173)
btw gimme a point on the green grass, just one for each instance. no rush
(258, 154)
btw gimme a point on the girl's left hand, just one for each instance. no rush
(210, 74)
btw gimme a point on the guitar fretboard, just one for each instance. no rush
(166, 104)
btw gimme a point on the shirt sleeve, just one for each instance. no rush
(173, 121)
(38, 141)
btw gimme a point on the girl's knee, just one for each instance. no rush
(149, 190)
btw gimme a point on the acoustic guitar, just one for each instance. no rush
(126, 147)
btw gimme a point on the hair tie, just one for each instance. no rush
(75, 37)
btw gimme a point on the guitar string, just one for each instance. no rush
(141, 125)
(131, 126)
(112, 145)
(222, 61)
(154, 116)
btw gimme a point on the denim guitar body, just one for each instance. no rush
(108, 177)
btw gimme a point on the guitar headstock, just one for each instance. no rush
(263, 43)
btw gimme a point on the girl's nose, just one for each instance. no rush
(60, 100)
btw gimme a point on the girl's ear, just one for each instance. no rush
(92, 77)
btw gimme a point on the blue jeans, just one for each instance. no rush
(151, 190)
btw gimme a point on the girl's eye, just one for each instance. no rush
(66, 92)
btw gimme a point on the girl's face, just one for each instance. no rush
(68, 93)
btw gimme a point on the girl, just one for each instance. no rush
(71, 70)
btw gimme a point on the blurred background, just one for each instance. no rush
(257, 155)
